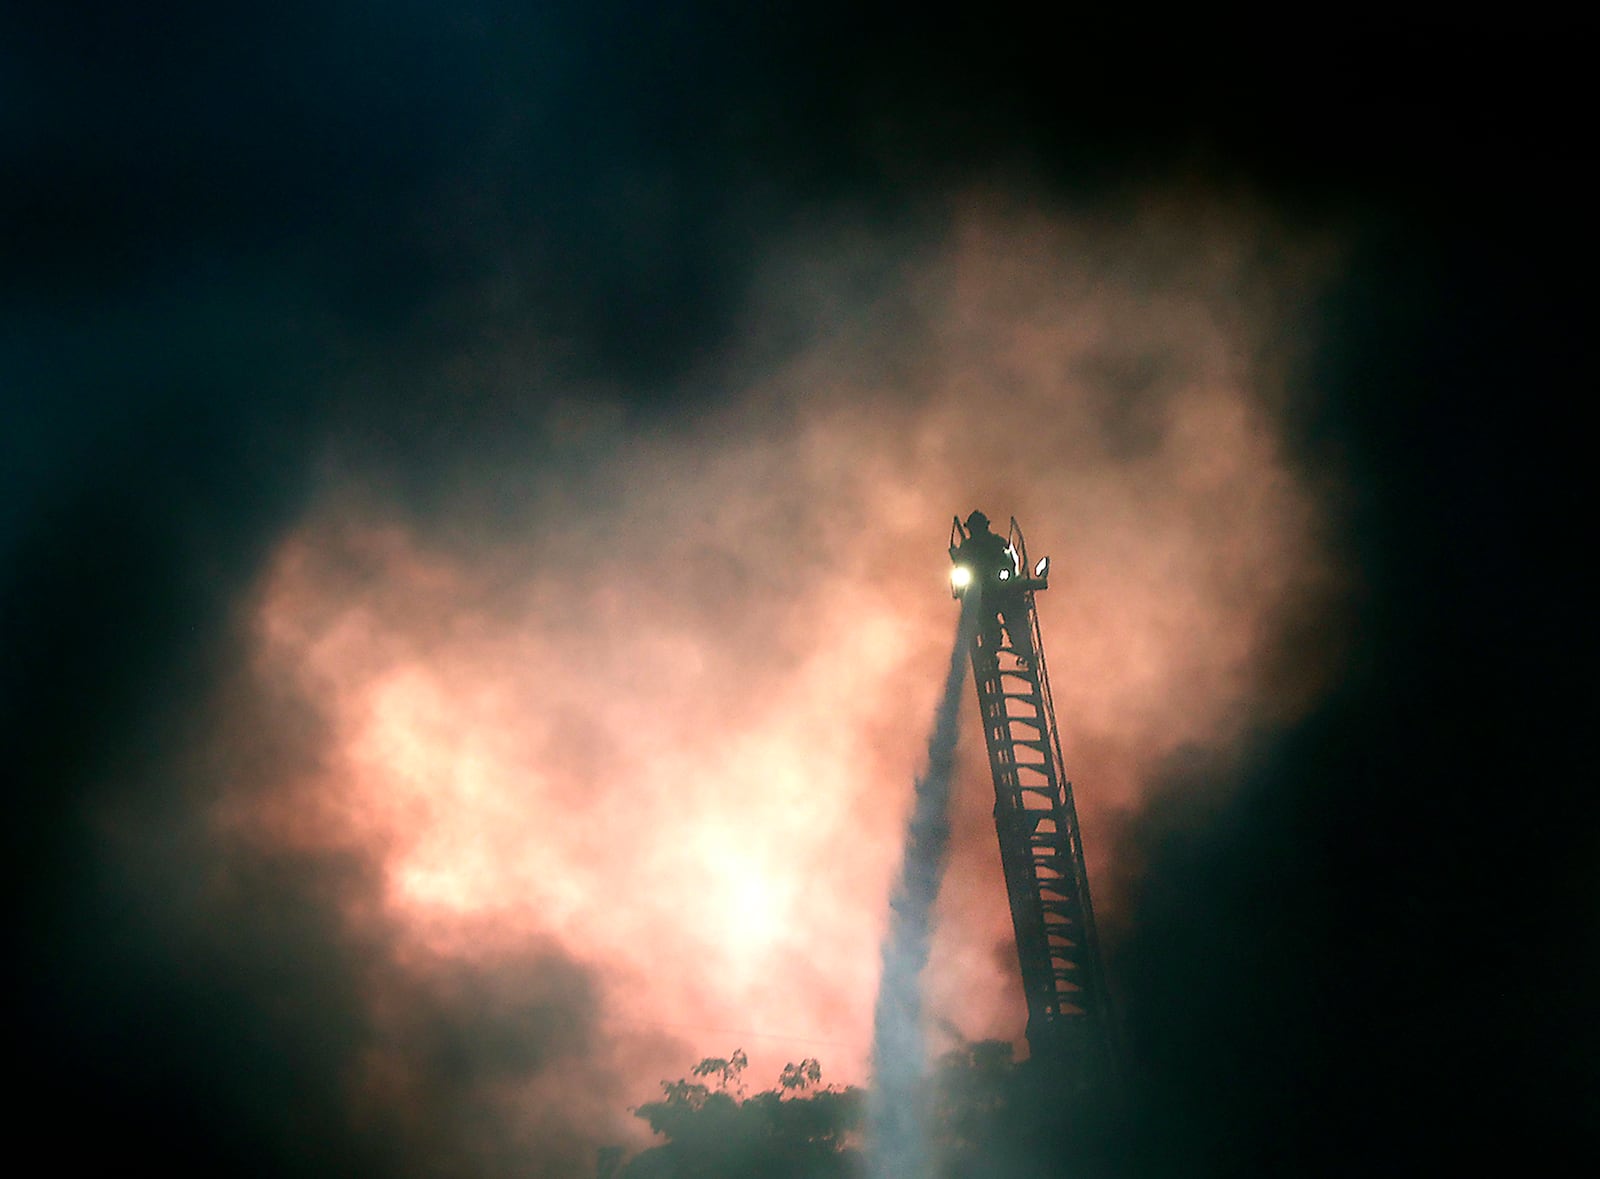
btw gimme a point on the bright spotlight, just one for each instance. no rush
(1042, 568)
(961, 577)
(1005, 575)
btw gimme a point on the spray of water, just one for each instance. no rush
(897, 1139)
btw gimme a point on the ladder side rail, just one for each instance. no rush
(1027, 907)
(1070, 1016)
(1058, 982)
(1095, 963)
(1066, 800)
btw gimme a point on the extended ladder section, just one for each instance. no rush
(1041, 849)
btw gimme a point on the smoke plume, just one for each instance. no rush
(472, 573)
(641, 687)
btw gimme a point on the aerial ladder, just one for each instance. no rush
(1070, 1023)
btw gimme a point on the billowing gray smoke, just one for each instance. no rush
(896, 1134)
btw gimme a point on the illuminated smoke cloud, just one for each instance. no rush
(649, 689)
(897, 1142)
(477, 480)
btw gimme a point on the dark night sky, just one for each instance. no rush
(1374, 951)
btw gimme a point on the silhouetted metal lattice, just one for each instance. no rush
(1070, 1023)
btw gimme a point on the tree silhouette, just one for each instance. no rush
(800, 1076)
(989, 1117)
(794, 1131)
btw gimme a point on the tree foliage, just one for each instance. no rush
(798, 1130)
(988, 1117)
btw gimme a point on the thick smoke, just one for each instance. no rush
(282, 984)
(589, 735)
(490, 676)
(897, 1132)
(473, 577)
(645, 696)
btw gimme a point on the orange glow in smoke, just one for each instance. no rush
(674, 725)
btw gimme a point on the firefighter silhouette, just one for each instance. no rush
(995, 573)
